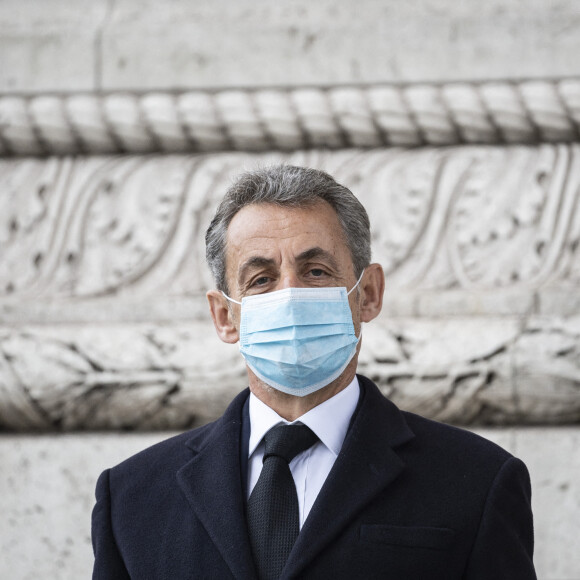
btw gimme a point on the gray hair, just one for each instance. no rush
(287, 185)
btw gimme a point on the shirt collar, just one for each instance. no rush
(329, 420)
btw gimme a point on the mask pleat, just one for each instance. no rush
(298, 351)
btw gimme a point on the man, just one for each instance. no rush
(367, 491)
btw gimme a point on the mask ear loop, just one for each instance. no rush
(230, 299)
(357, 282)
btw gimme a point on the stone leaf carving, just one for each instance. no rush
(547, 370)
(465, 371)
(471, 218)
(478, 371)
(528, 227)
(114, 377)
(87, 226)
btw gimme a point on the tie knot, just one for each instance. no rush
(287, 441)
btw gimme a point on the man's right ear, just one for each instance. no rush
(222, 317)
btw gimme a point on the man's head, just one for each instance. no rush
(284, 228)
(293, 187)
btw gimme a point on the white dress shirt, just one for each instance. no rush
(329, 421)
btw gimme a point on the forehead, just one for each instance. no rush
(270, 230)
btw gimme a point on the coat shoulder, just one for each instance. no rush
(462, 461)
(173, 452)
(428, 439)
(162, 457)
(449, 438)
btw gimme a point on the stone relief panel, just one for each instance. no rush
(115, 377)
(492, 370)
(174, 376)
(471, 218)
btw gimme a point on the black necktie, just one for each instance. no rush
(273, 517)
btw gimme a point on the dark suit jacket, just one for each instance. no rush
(407, 499)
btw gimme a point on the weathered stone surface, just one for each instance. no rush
(47, 493)
(50, 46)
(322, 43)
(554, 301)
(539, 397)
(553, 458)
(132, 44)
(46, 497)
(477, 370)
(115, 377)
(136, 44)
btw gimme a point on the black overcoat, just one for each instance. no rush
(407, 499)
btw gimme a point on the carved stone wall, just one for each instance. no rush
(122, 122)
(103, 280)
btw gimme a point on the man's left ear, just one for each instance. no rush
(372, 288)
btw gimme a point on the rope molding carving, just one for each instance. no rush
(290, 119)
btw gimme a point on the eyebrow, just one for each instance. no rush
(317, 253)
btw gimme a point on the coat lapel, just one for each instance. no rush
(366, 465)
(212, 484)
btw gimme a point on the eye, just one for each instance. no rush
(260, 281)
(317, 272)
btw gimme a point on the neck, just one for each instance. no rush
(291, 407)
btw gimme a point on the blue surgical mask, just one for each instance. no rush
(298, 340)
